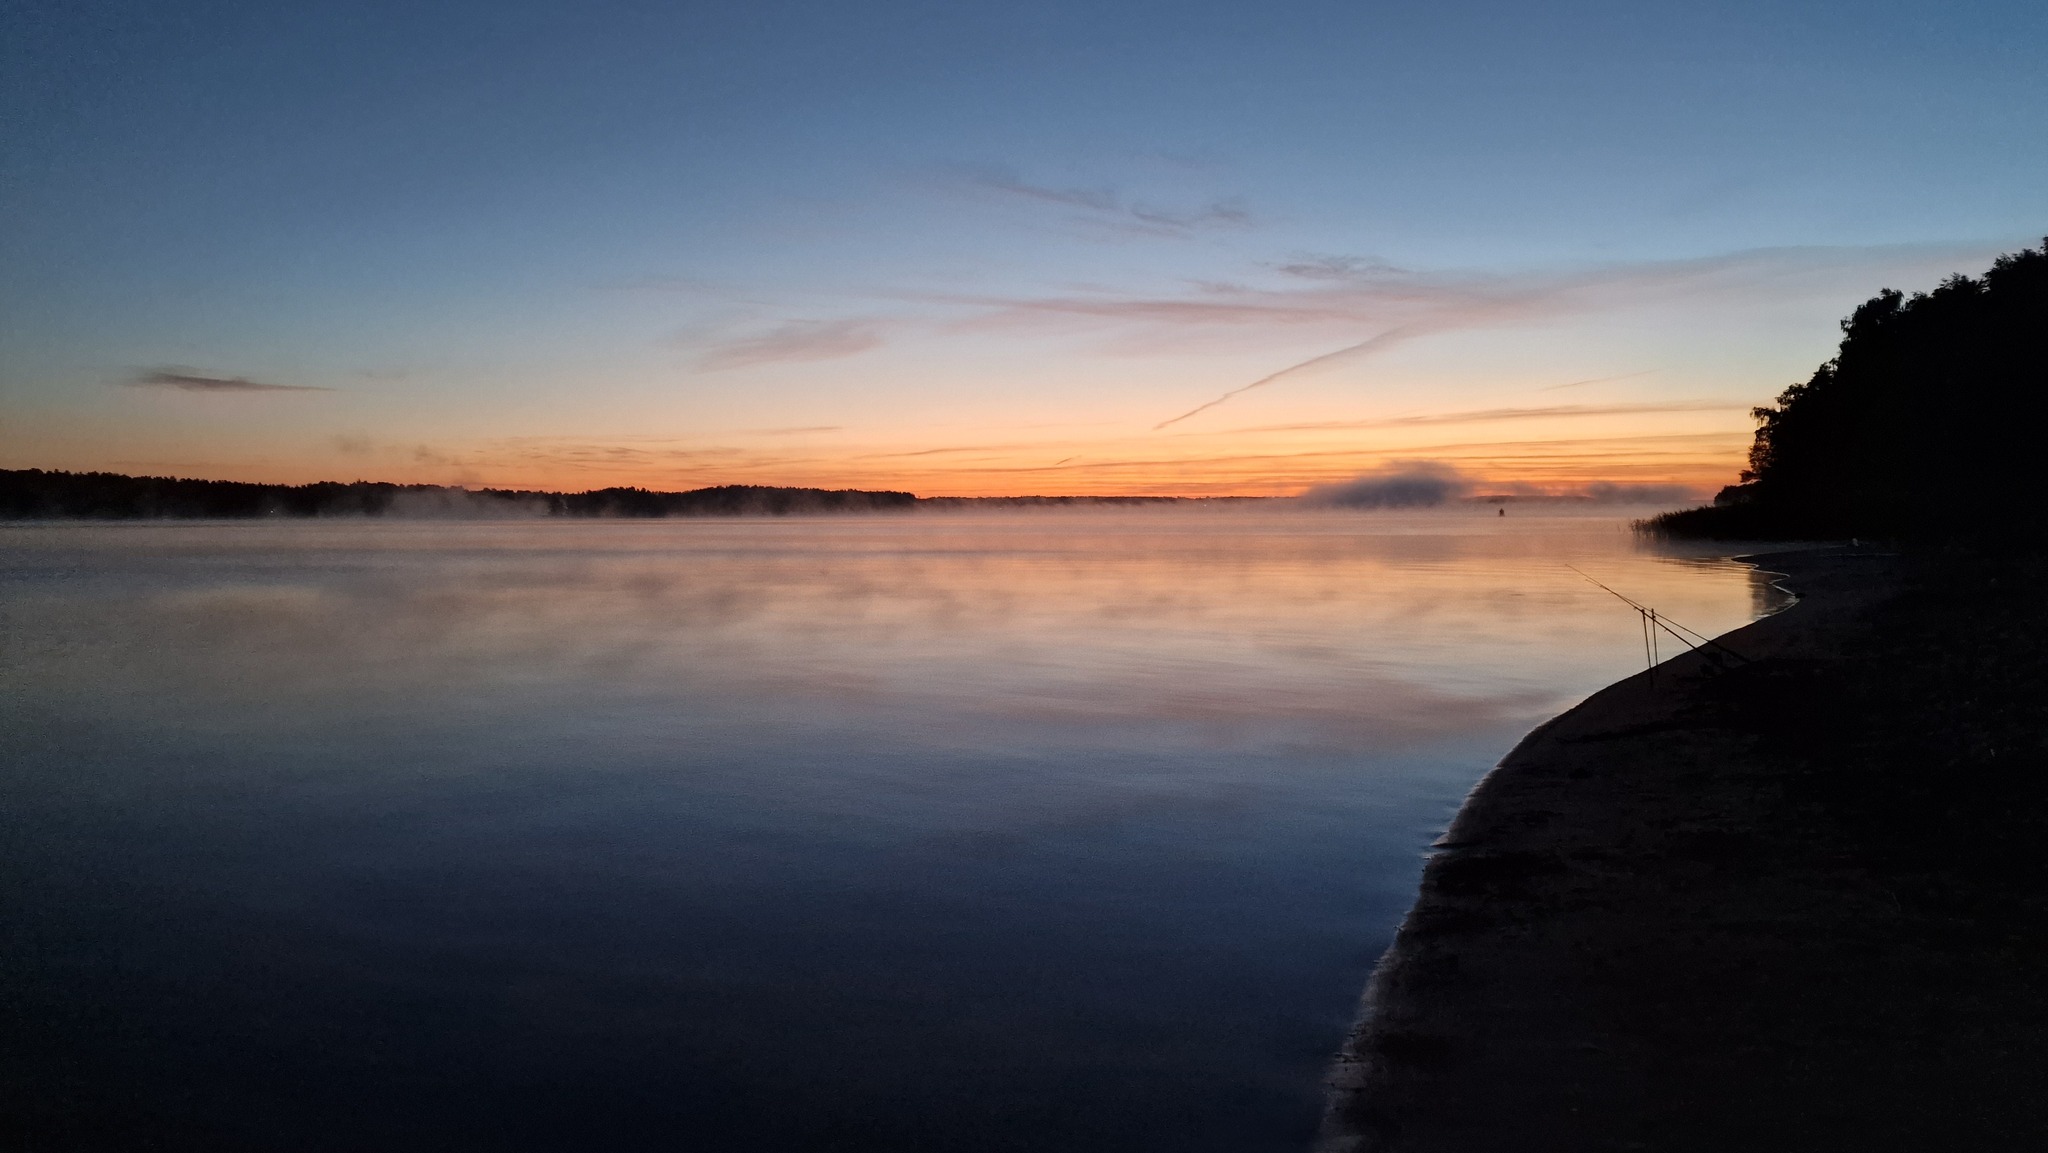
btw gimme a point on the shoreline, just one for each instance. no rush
(1628, 871)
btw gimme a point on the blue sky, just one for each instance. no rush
(945, 247)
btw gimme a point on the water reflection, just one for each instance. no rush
(1060, 830)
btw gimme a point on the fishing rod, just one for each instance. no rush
(1651, 617)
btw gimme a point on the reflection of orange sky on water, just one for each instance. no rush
(1359, 630)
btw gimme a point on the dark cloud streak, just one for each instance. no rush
(186, 380)
(1105, 207)
(1339, 268)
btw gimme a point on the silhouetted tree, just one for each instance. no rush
(1923, 426)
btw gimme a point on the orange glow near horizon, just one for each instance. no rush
(1499, 436)
(1267, 465)
(1635, 374)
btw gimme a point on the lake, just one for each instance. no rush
(1019, 830)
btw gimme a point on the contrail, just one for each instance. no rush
(1390, 336)
(1597, 380)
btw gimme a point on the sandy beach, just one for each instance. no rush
(1658, 925)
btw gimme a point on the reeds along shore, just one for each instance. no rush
(1788, 902)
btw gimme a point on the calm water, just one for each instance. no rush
(1051, 831)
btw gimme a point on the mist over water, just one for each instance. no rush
(1067, 830)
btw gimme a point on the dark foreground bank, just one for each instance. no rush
(1795, 901)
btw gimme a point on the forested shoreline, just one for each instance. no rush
(36, 494)
(1921, 428)
(39, 494)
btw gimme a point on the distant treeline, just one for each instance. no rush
(1923, 427)
(34, 494)
(723, 500)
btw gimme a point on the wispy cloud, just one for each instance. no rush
(1385, 339)
(798, 340)
(187, 380)
(1598, 380)
(1409, 305)
(627, 452)
(996, 178)
(1219, 305)
(1104, 207)
(429, 455)
(947, 451)
(1229, 213)
(676, 285)
(1338, 268)
(1715, 446)
(1492, 415)
(1389, 306)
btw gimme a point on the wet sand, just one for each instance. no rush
(1650, 928)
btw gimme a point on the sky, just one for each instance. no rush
(1187, 248)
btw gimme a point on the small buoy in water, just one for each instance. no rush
(1503, 512)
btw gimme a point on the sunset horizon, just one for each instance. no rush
(802, 245)
(1081, 576)
(1424, 384)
